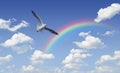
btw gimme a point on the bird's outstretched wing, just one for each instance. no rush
(51, 30)
(38, 18)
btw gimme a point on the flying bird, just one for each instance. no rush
(42, 26)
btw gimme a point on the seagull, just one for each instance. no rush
(42, 26)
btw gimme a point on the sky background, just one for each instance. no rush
(90, 49)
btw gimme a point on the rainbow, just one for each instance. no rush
(67, 28)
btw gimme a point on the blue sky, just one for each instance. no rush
(87, 50)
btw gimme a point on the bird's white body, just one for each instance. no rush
(40, 27)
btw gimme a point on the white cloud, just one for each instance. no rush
(83, 34)
(90, 42)
(39, 57)
(75, 59)
(36, 69)
(16, 39)
(118, 63)
(105, 58)
(11, 68)
(20, 25)
(107, 13)
(28, 69)
(59, 70)
(6, 24)
(6, 59)
(22, 49)
(19, 42)
(102, 69)
(108, 33)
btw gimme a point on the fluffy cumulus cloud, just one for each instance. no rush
(16, 39)
(19, 42)
(28, 69)
(75, 59)
(39, 57)
(6, 59)
(102, 69)
(108, 12)
(6, 24)
(90, 41)
(105, 58)
(22, 49)
(108, 33)
(8, 68)
(36, 69)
